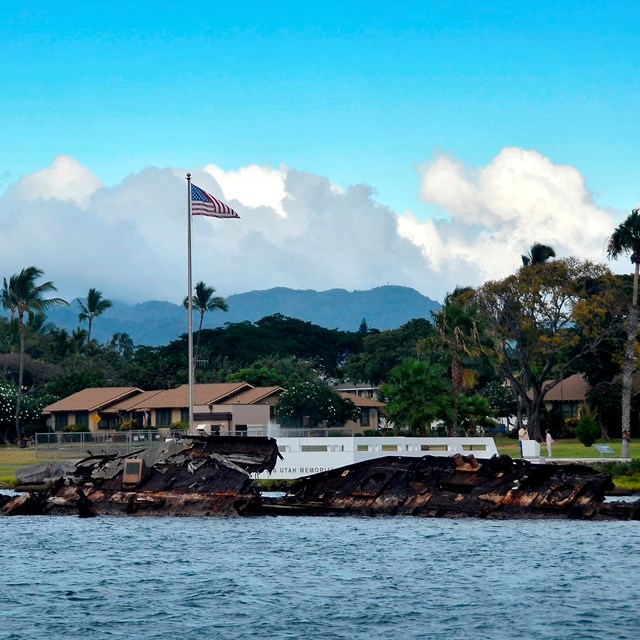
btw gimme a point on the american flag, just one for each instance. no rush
(204, 204)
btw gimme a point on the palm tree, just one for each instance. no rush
(79, 339)
(462, 338)
(417, 393)
(22, 295)
(9, 304)
(538, 254)
(626, 240)
(123, 344)
(204, 301)
(96, 305)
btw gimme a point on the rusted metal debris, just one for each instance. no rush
(197, 476)
(455, 487)
(202, 476)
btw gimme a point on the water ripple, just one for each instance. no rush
(317, 578)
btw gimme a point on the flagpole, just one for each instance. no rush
(190, 307)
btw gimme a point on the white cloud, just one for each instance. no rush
(66, 179)
(254, 186)
(296, 229)
(495, 213)
(130, 240)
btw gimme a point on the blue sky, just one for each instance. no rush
(369, 93)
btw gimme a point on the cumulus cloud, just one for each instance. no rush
(296, 229)
(129, 240)
(66, 179)
(254, 186)
(493, 214)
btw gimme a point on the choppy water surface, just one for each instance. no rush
(315, 578)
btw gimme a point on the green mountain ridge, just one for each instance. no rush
(157, 322)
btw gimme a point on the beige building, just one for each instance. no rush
(220, 408)
(89, 408)
(370, 411)
(232, 405)
(568, 396)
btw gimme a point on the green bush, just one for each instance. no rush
(129, 425)
(588, 429)
(617, 468)
(31, 429)
(75, 428)
(180, 426)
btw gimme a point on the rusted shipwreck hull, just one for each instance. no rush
(202, 476)
(197, 476)
(455, 487)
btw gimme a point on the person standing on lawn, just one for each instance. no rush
(523, 434)
(549, 440)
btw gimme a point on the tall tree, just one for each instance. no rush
(204, 300)
(625, 240)
(547, 317)
(538, 254)
(462, 340)
(95, 306)
(79, 339)
(25, 296)
(123, 344)
(9, 303)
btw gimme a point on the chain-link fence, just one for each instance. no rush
(78, 445)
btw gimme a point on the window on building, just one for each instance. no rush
(82, 418)
(61, 421)
(364, 417)
(241, 429)
(184, 415)
(568, 410)
(163, 417)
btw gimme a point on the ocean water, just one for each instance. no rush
(297, 578)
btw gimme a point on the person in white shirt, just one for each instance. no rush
(550, 442)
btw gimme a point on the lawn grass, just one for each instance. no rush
(574, 449)
(12, 458)
(570, 448)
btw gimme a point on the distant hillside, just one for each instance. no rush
(156, 323)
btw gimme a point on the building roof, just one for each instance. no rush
(92, 399)
(361, 401)
(115, 399)
(571, 389)
(215, 393)
(256, 395)
(133, 403)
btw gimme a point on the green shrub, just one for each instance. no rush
(588, 429)
(129, 425)
(180, 426)
(617, 468)
(75, 428)
(31, 429)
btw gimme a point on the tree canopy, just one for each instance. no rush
(546, 318)
(95, 305)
